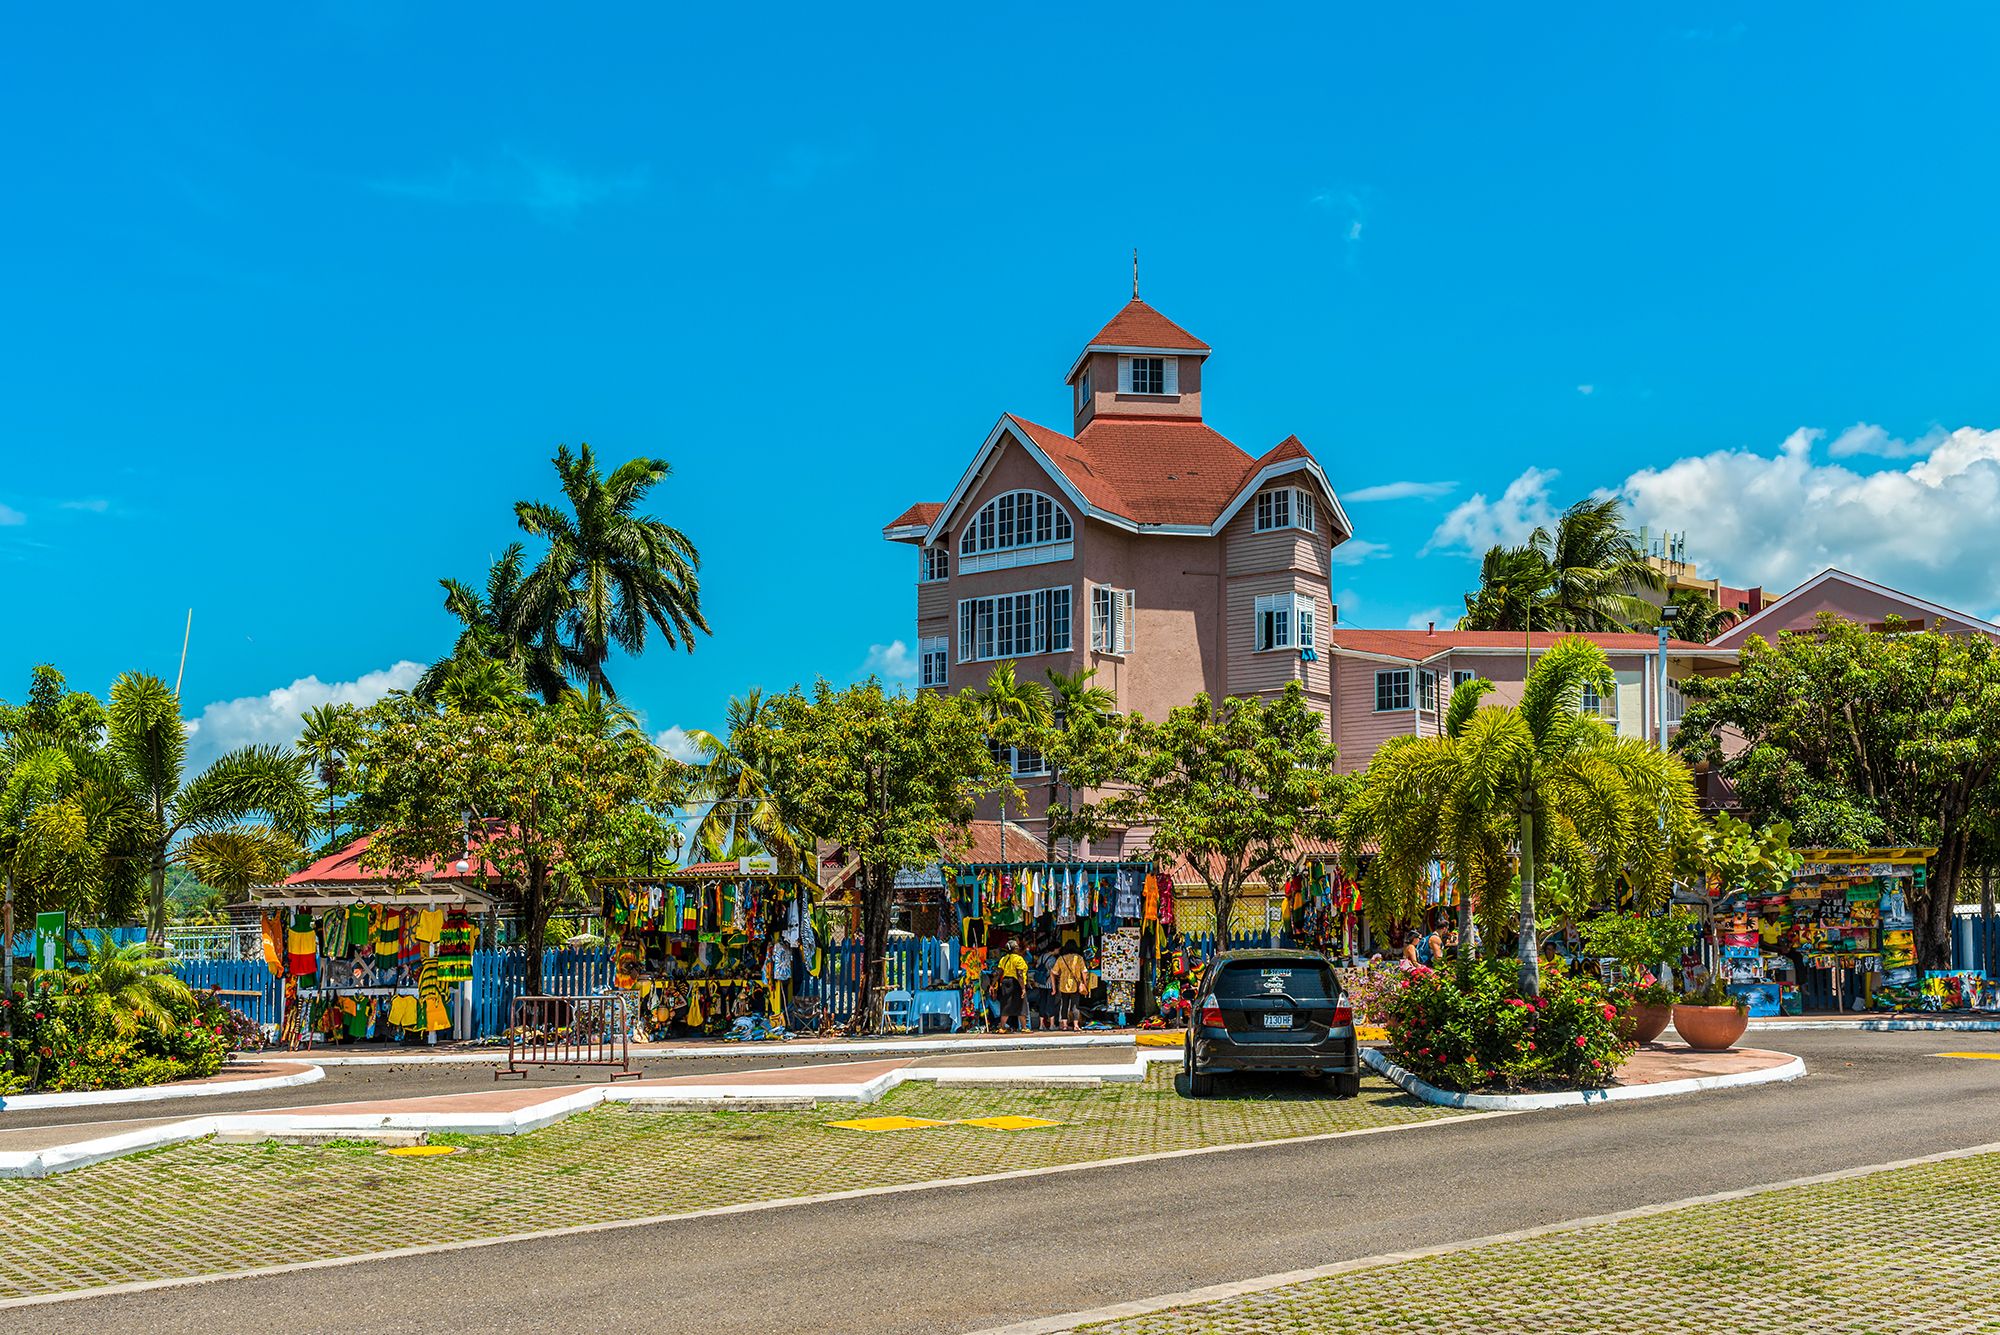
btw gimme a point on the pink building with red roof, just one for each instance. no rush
(1143, 543)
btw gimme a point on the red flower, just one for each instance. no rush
(1579, 1040)
(1610, 1012)
(1531, 1047)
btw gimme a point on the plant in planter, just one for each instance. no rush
(1639, 943)
(1477, 1031)
(1709, 1018)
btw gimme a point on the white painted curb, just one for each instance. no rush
(156, 1093)
(867, 1047)
(1446, 1098)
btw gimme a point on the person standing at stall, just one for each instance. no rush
(1072, 979)
(1013, 972)
(1042, 985)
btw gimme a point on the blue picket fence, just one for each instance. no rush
(267, 1006)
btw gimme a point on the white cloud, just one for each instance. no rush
(9, 516)
(95, 505)
(1586, 390)
(892, 661)
(1430, 616)
(1476, 523)
(272, 719)
(1399, 491)
(1347, 605)
(1779, 519)
(528, 180)
(1867, 438)
(676, 743)
(1356, 550)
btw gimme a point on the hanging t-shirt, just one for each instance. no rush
(358, 933)
(302, 949)
(1127, 903)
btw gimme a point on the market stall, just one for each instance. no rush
(364, 963)
(1837, 936)
(718, 948)
(1118, 916)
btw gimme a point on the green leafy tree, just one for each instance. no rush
(610, 573)
(1860, 739)
(1587, 574)
(1079, 713)
(330, 734)
(1016, 714)
(731, 782)
(550, 797)
(892, 779)
(1232, 788)
(1696, 616)
(1600, 808)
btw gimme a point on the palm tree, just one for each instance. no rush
(234, 859)
(1014, 712)
(1586, 575)
(331, 734)
(734, 778)
(1576, 796)
(479, 686)
(133, 979)
(1697, 618)
(496, 625)
(1075, 703)
(610, 572)
(148, 747)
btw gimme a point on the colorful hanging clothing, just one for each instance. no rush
(433, 995)
(274, 942)
(429, 925)
(302, 949)
(454, 956)
(388, 935)
(359, 927)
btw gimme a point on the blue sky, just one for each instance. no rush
(302, 299)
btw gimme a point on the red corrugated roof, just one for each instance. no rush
(1417, 644)
(344, 868)
(1140, 326)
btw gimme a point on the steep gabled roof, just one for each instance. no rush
(1140, 326)
(913, 521)
(1773, 612)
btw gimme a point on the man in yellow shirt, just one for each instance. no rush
(1013, 981)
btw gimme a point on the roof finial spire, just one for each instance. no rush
(1135, 273)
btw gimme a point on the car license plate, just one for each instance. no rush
(1278, 1020)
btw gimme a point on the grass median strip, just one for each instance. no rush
(1915, 1248)
(204, 1208)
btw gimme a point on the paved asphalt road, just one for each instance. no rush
(962, 1258)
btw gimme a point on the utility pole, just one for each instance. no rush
(7, 944)
(1667, 615)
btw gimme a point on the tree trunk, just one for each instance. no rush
(1222, 900)
(1531, 941)
(1932, 909)
(156, 918)
(536, 909)
(878, 888)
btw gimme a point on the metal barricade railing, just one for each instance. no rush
(570, 1031)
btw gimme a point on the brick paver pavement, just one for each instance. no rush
(203, 1208)
(1913, 1251)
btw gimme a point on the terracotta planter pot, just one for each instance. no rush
(1710, 1028)
(1643, 1024)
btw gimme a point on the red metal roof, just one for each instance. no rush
(1417, 644)
(1140, 326)
(344, 868)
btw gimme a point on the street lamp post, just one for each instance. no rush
(1667, 615)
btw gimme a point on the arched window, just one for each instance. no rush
(1018, 528)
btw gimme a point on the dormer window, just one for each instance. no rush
(1149, 375)
(1083, 388)
(1286, 507)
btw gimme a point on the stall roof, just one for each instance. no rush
(339, 878)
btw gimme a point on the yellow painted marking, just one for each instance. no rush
(1157, 1038)
(1971, 1056)
(1370, 1033)
(1011, 1122)
(419, 1151)
(888, 1124)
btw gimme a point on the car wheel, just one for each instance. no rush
(1347, 1086)
(1199, 1084)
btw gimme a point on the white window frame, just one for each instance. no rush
(1083, 386)
(1599, 706)
(1170, 375)
(1460, 676)
(1427, 691)
(1286, 507)
(1404, 690)
(1019, 624)
(1112, 613)
(1021, 762)
(1284, 621)
(933, 564)
(1676, 703)
(934, 661)
(991, 538)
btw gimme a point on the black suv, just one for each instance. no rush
(1271, 1010)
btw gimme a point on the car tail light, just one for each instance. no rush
(1342, 1014)
(1211, 1014)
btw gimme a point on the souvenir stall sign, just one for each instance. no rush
(1844, 912)
(1057, 905)
(717, 948)
(371, 963)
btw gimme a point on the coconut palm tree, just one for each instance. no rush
(479, 686)
(496, 624)
(733, 777)
(1075, 704)
(147, 746)
(132, 980)
(1014, 712)
(610, 573)
(330, 735)
(1587, 574)
(1697, 618)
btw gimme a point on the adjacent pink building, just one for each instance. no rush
(1855, 599)
(1142, 543)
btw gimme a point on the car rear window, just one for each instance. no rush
(1293, 980)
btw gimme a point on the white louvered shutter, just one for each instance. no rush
(1172, 383)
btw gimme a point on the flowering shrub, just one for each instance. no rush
(1485, 1035)
(68, 1038)
(1365, 987)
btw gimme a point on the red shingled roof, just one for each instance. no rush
(1140, 326)
(1417, 644)
(923, 512)
(1155, 470)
